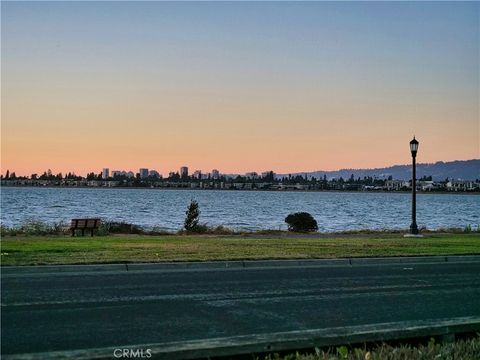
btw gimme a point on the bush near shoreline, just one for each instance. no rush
(41, 228)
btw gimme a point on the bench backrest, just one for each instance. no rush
(85, 223)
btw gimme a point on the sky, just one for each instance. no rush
(237, 86)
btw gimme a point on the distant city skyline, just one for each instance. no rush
(236, 86)
(143, 172)
(466, 174)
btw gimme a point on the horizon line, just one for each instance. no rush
(192, 170)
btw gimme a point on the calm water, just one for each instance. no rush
(334, 211)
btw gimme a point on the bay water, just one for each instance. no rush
(240, 210)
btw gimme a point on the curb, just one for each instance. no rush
(236, 265)
(274, 342)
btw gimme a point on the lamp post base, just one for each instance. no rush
(413, 231)
(414, 228)
(413, 236)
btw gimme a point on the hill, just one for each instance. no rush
(459, 169)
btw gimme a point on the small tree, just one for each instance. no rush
(301, 222)
(193, 216)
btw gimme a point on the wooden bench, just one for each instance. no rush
(84, 224)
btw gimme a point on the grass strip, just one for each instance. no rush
(50, 250)
(467, 349)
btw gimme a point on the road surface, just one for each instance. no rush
(47, 309)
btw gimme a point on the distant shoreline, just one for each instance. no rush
(247, 190)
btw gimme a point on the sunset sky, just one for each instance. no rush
(237, 86)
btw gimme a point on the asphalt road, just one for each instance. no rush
(67, 308)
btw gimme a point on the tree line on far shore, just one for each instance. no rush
(175, 178)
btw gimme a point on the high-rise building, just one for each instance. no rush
(184, 172)
(105, 173)
(197, 174)
(215, 174)
(268, 175)
(143, 173)
(154, 173)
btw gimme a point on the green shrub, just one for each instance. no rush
(467, 229)
(103, 229)
(206, 229)
(115, 227)
(468, 349)
(301, 222)
(157, 230)
(10, 231)
(41, 228)
(37, 227)
(59, 228)
(201, 229)
(221, 230)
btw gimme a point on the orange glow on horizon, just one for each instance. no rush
(287, 87)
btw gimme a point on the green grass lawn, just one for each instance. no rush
(39, 250)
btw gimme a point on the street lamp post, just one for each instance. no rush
(413, 149)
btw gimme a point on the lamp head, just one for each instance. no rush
(414, 146)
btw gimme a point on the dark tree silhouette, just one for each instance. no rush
(193, 216)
